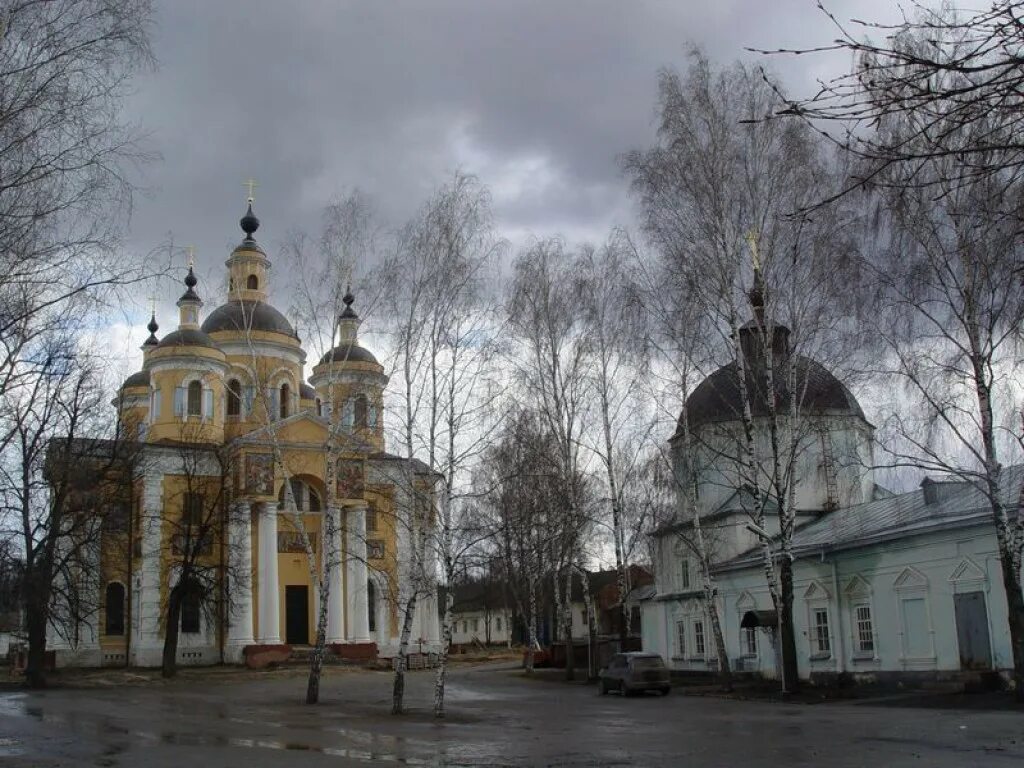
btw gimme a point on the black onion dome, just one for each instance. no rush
(186, 337)
(348, 312)
(349, 353)
(717, 398)
(240, 315)
(137, 379)
(249, 222)
(152, 327)
(190, 283)
(306, 392)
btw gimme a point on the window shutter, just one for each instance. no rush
(155, 412)
(247, 398)
(275, 402)
(348, 414)
(371, 417)
(179, 401)
(207, 403)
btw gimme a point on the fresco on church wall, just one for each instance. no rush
(259, 474)
(350, 479)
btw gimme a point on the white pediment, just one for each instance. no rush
(816, 592)
(857, 587)
(746, 601)
(910, 578)
(967, 570)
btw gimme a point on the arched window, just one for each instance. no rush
(361, 409)
(195, 398)
(285, 393)
(234, 397)
(306, 497)
(252, 283)
(115, 608)
(371, 604)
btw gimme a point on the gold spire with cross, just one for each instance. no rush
(152, 305)
(191, 250)
(751, 237)
(251, 184)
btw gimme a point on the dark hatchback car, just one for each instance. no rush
(630, 673)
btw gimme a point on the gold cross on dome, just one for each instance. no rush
(251, 184)
(191, 256)
(152, 305)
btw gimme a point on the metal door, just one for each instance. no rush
(972, 630)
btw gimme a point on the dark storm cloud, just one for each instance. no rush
(314, 97)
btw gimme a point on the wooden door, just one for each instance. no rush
(972, 630)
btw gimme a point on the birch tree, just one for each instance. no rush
(951, 311)
(613, 330)
(956, 70)
(445, 333)
(551, 366)
(717, 194)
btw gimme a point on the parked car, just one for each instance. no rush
(635, 672)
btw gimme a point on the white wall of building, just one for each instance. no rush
(906, 587)
(471, 626)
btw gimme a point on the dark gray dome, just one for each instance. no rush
(254, 315)
(306, 392)
(137, 379)
(186, 337)
(349, 353)
(717, 398)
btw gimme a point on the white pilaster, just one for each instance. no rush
(240, 629)
(270, 609)
(336, 597)
(355, 577)
(147, 645)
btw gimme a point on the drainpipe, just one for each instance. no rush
(840, 633)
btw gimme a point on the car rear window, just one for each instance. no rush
(647, 662)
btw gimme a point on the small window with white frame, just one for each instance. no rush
(864, 630)
(699, 646)
(680, 638)
(748, 641)
(684, 574)
(821, 645)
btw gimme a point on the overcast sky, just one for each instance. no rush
(314, 97)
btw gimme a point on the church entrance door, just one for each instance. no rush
(296, 614)
(972, 630)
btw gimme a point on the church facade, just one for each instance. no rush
(887, 588)
(243, 473)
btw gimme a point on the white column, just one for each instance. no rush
(147, 644)
(336, 597)
(355, 577)
(240, 630)
(270, 623)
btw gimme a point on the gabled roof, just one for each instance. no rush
(905, 514)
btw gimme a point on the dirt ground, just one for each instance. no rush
(496, 716)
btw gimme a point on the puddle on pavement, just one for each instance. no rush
(10, 747)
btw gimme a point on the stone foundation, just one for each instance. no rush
(354, 651)
(262, 656)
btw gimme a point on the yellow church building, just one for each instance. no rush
(225, 422)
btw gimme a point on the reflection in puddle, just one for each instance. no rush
(10, 747)
(352, 754)
(366, 746)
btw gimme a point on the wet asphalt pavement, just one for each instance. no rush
(496, 717)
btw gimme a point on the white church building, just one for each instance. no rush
(886, 587)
